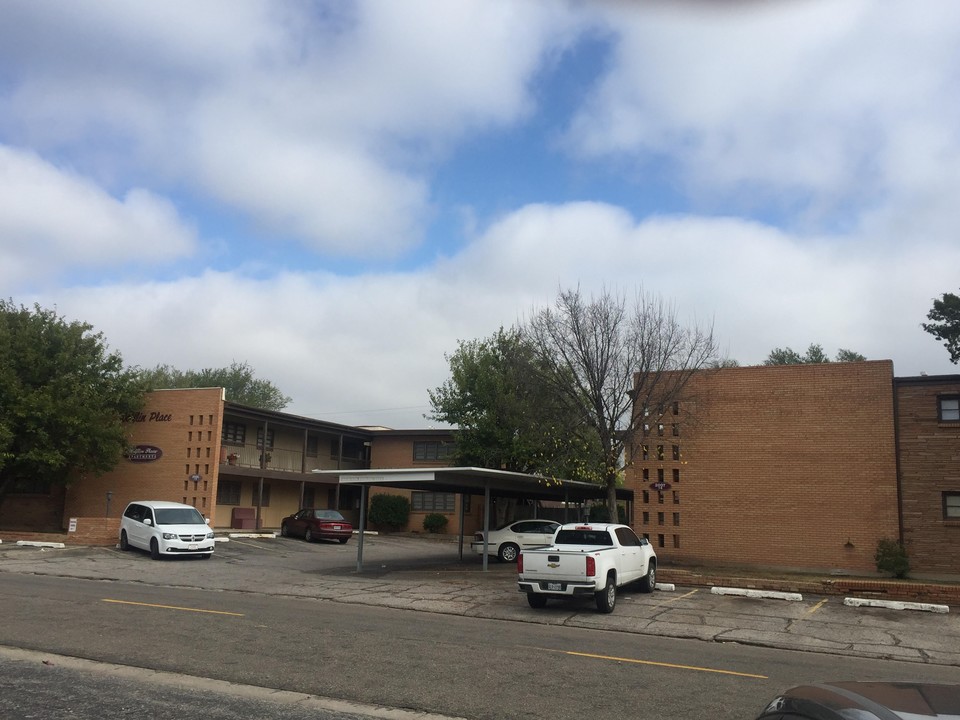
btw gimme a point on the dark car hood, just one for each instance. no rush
(869, 701)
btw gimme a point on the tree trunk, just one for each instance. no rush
(612, 499)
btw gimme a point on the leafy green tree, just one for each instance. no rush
(814, 355)
(63, 399)
(945, 324)
(844, 355)
(617, 367)
(238, 380)
(506, 418)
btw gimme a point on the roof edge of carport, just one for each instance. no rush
(404, 476)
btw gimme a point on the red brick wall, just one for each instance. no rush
(786, 466)
(929, 465)
(185, 425)
(396, 451)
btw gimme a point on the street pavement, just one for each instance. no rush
(427, 576)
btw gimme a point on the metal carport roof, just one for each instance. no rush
(468, 481)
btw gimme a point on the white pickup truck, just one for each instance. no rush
(587, 559)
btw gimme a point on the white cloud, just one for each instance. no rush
(366, 349)
(820, 100)
(53, 220)
(315, 121)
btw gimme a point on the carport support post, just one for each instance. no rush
(363, 524)
(463, 497)
(486, 523)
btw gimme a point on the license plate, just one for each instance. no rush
(192, 546)
(554, 586)
(337, 527)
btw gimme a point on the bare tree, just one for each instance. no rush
(620, 366)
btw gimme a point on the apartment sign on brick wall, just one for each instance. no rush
(144, 453)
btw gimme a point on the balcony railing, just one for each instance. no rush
(279, 459)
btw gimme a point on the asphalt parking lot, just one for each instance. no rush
(426, 575)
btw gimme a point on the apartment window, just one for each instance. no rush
(353, 448)
(228, 492)
(646, 518)
(433, 501)
(660, 478)
(659, 452)
(233, 434)
(646, 496)
(646, 452)
(260, 438)
(646, 475)
(676, 408)
(659, 518)
(676, 452)
(676, 430)
(951, 506)
(30, 486)
(264, 498)
(676, 542)
(676, 475)
(432, 450)
(676, 497)
(660, 429)
(676, 518)
(948, 409)
(313, 446)
(659, 540)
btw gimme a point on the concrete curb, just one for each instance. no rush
(895, 605)
(766, 594)
(665, 587)
(37, 543)
(250, 535)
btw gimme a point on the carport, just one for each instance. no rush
(471, 481)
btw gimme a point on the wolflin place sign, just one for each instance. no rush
(144, 453)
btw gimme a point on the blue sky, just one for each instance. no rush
(337, 193)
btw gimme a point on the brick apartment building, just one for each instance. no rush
(928, 451)
(803, 466)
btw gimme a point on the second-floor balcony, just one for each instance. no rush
(252, 457)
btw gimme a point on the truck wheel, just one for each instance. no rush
(537, 601)
(648, 582)
(508, 552)
(607, 598)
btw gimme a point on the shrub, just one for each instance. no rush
(891, 558)
(435, 523)
(389, 512)
(600, 514)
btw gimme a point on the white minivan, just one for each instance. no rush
(166, 529)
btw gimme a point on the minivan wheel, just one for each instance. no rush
(154, 549)
(123, 541)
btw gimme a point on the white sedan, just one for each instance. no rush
(507, 542)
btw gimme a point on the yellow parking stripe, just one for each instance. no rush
(816, 607)
(666, 665)
(172, 607)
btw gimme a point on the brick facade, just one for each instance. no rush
(784, 466)
(929, 454)
(185, 426)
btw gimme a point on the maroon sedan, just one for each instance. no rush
(313, 524)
